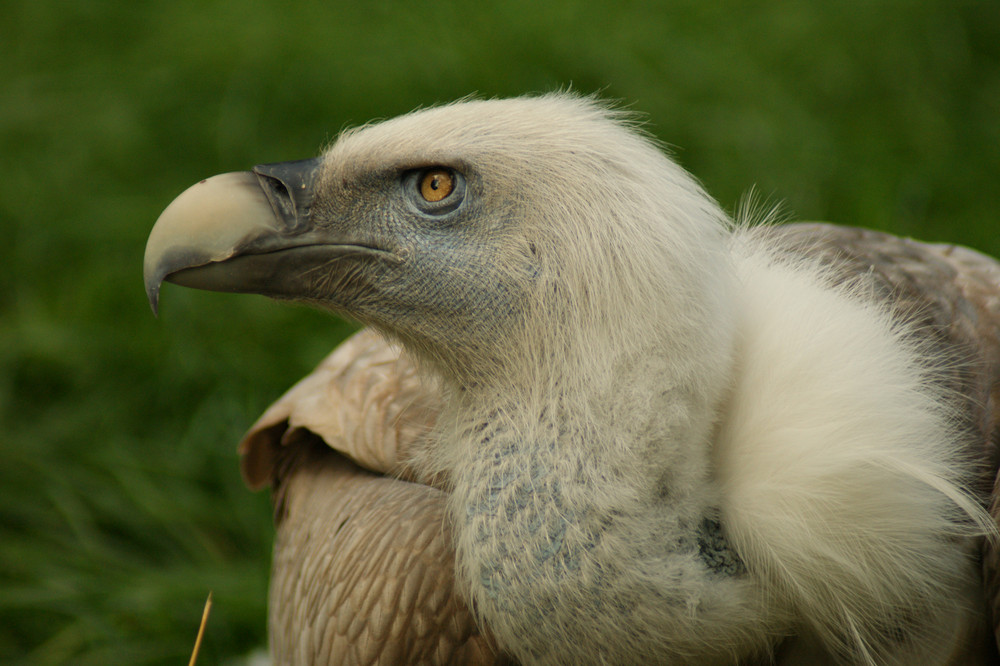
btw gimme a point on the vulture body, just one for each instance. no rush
(592, 421)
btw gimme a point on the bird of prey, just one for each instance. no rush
(591, 419)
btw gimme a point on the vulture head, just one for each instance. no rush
(663, 438)
(479, 234)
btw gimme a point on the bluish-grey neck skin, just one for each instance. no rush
(575, 549)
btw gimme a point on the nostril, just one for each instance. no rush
(280, 198)
(281, 191)
(288, 187)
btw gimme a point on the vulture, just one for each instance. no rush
(590, 419)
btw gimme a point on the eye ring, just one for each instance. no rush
(435, 190)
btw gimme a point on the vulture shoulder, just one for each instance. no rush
(365, 400)
(363, 563)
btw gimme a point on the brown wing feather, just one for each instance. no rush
(363, 565)
(364, 400)
(362, 570)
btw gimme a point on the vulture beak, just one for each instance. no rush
(246, 232)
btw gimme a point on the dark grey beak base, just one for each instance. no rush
(249, 232)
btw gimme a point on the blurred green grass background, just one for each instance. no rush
(120, 499)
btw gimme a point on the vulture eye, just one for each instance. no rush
(435, 190)
(436, 184)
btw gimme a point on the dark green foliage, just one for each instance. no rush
(120, 499)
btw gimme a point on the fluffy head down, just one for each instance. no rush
(565, 229)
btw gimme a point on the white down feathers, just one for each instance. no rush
(837, 466)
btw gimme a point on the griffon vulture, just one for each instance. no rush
(599, 423)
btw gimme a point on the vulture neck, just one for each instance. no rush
(595, 503)
(589, 485)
